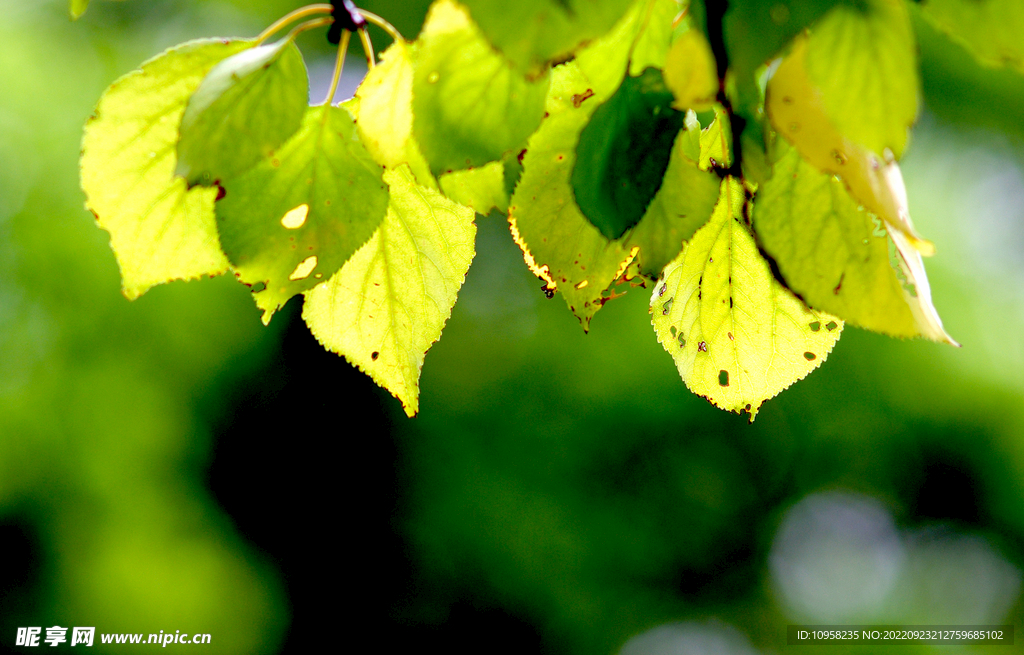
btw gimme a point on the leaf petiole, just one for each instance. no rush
(301, 12)
(383, 24)
(367, 48)
(339, 64)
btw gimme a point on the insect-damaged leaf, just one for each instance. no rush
(839, 257)
(159, 230)
(291, 221)
(738, 337)
(623, 152)
(390, 301)
(559, 244)
(245, 108)
(470, 106)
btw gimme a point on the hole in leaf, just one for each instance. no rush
(831, 326)
(702, 346)
(295, 218)
(667, 307)
(815, 326)
(810, 357)
(304, 268)
(257, 287)
(374, 355)
(723, 378)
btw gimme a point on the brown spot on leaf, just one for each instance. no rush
(578, 98)
(702, 346)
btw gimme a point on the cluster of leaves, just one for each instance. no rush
(743, 162)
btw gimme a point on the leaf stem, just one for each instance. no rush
(339, 64)
(383, 24)
(301, 12)
(368, 49)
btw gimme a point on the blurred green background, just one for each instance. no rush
(169, 464)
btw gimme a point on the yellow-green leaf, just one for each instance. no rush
(738, 337)
(470, 106)
(159, 230)
(482, 188)
(390, 301)
(690, 72)
(795, 107)
(992, 29)
(384, 113)
(863, 60)
(77, 8)
(838, 256)
(245, 108)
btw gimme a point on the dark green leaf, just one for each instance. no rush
(623, 153)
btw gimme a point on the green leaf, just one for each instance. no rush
(863, 60)
(836, 255)
(390, 301)
(77, 8)
(384, 113)
(623, 152)
(559, 244)
(654, 24)
(683, 204)
(246, 107)
(738, 337)
(470, 106)
(483, 188)
(159, 230)
(532, 33)
(291, 221)
(992, 29)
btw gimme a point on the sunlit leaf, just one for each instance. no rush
(559, 243)
(77, 8)
(795, 108)
(623, 152)
(483, 188)
(291, 221)
(470, 106)
(839, 257)
(992, 29)
(533, 32)
(390, 301)
(654, 26)
(690, 72)
(159, 230)
(683, 204)
(863, 61)
(245, 108)
(384, 113)
(738, 337)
